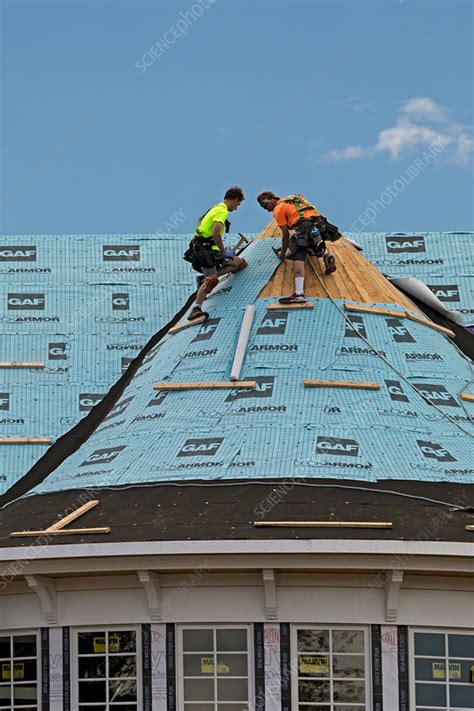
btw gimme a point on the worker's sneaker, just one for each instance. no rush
(330, 263)
(293, 299)
(197, 312)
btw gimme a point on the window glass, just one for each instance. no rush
(461, 696)
(217, 673)
(433, 669)
(18, 672)
(313, 640)
(24, 646)
(196, 640)
(429, 645)
(331, 669)
(347, 641)
(231, 640)
(107, 670)
(430, 694)
(461, 645)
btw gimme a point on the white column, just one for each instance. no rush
(390, 667)
(158, 667)
(271, 639)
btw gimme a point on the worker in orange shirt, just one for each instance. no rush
(309, 230)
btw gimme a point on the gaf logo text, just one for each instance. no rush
(57, 351)
(207, 330)
(200, 447)
(445, 292)
(431, 450)
(25, 302)
(333, 445)
(157, 400)
(18, 254)
(395, 391)
(398, 330)
(4, 401)
(121, 252)
(436, 394)
(398, 245)
(273, 323)
(102, 456)
(264, 389)
(119, 408)
(120, 302)
(357, 328)
(89, 400)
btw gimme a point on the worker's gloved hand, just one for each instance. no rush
(229, 254)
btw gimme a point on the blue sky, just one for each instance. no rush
(121, 116)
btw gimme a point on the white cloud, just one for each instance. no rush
(421, 123)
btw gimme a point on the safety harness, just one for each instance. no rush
(300, 203)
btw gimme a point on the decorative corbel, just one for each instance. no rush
(152, 587)
(45, 588)
(269, 582)
(392, 594)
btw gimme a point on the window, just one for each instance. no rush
(19, 672)
(213, 669)
(443, 670)
(106, 670)
(330, 669)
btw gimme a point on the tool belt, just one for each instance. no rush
(200, 254)
(328, 232)
(306, 234)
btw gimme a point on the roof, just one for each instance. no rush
(419, 511)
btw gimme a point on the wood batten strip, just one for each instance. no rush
(290, 307)
(469, 397)
(354, 385)
(187, 324)
(206, 386)
(25, 440)
(324, 524)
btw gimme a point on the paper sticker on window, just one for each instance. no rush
(99, 645)
(207, 665)
(439, 670)
(454, 670)
(223, 668)
(18, 671)
(114, 643)
(314, 665)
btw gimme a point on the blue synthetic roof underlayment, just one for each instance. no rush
(283, 429)
(85, 307)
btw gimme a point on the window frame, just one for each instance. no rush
(180, 658)
(366, 629)
(411, 662)
(74, 661)
(39, 676)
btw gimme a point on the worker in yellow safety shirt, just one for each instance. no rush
(304, 231)
(207, 252)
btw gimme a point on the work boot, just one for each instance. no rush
(330, 263)
(293, 299)
(197, 312)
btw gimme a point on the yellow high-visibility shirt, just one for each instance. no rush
(218, 213)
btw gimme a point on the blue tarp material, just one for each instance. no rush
(283, 429)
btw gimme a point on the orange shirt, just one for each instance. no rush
(287, 213)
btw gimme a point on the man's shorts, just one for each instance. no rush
(299, 255)
(211, 271)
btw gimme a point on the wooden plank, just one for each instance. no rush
(290, 307)
(25, 440)
(430, 324)
(469, 397)
(72, 516)
(375, 310)
(12, 364)
(326, 524)
(206, 386)
(65, 532)
(469, 528)
(341, 384)
(187, 324)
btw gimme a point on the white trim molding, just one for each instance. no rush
(152, 587)
(45, 589)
